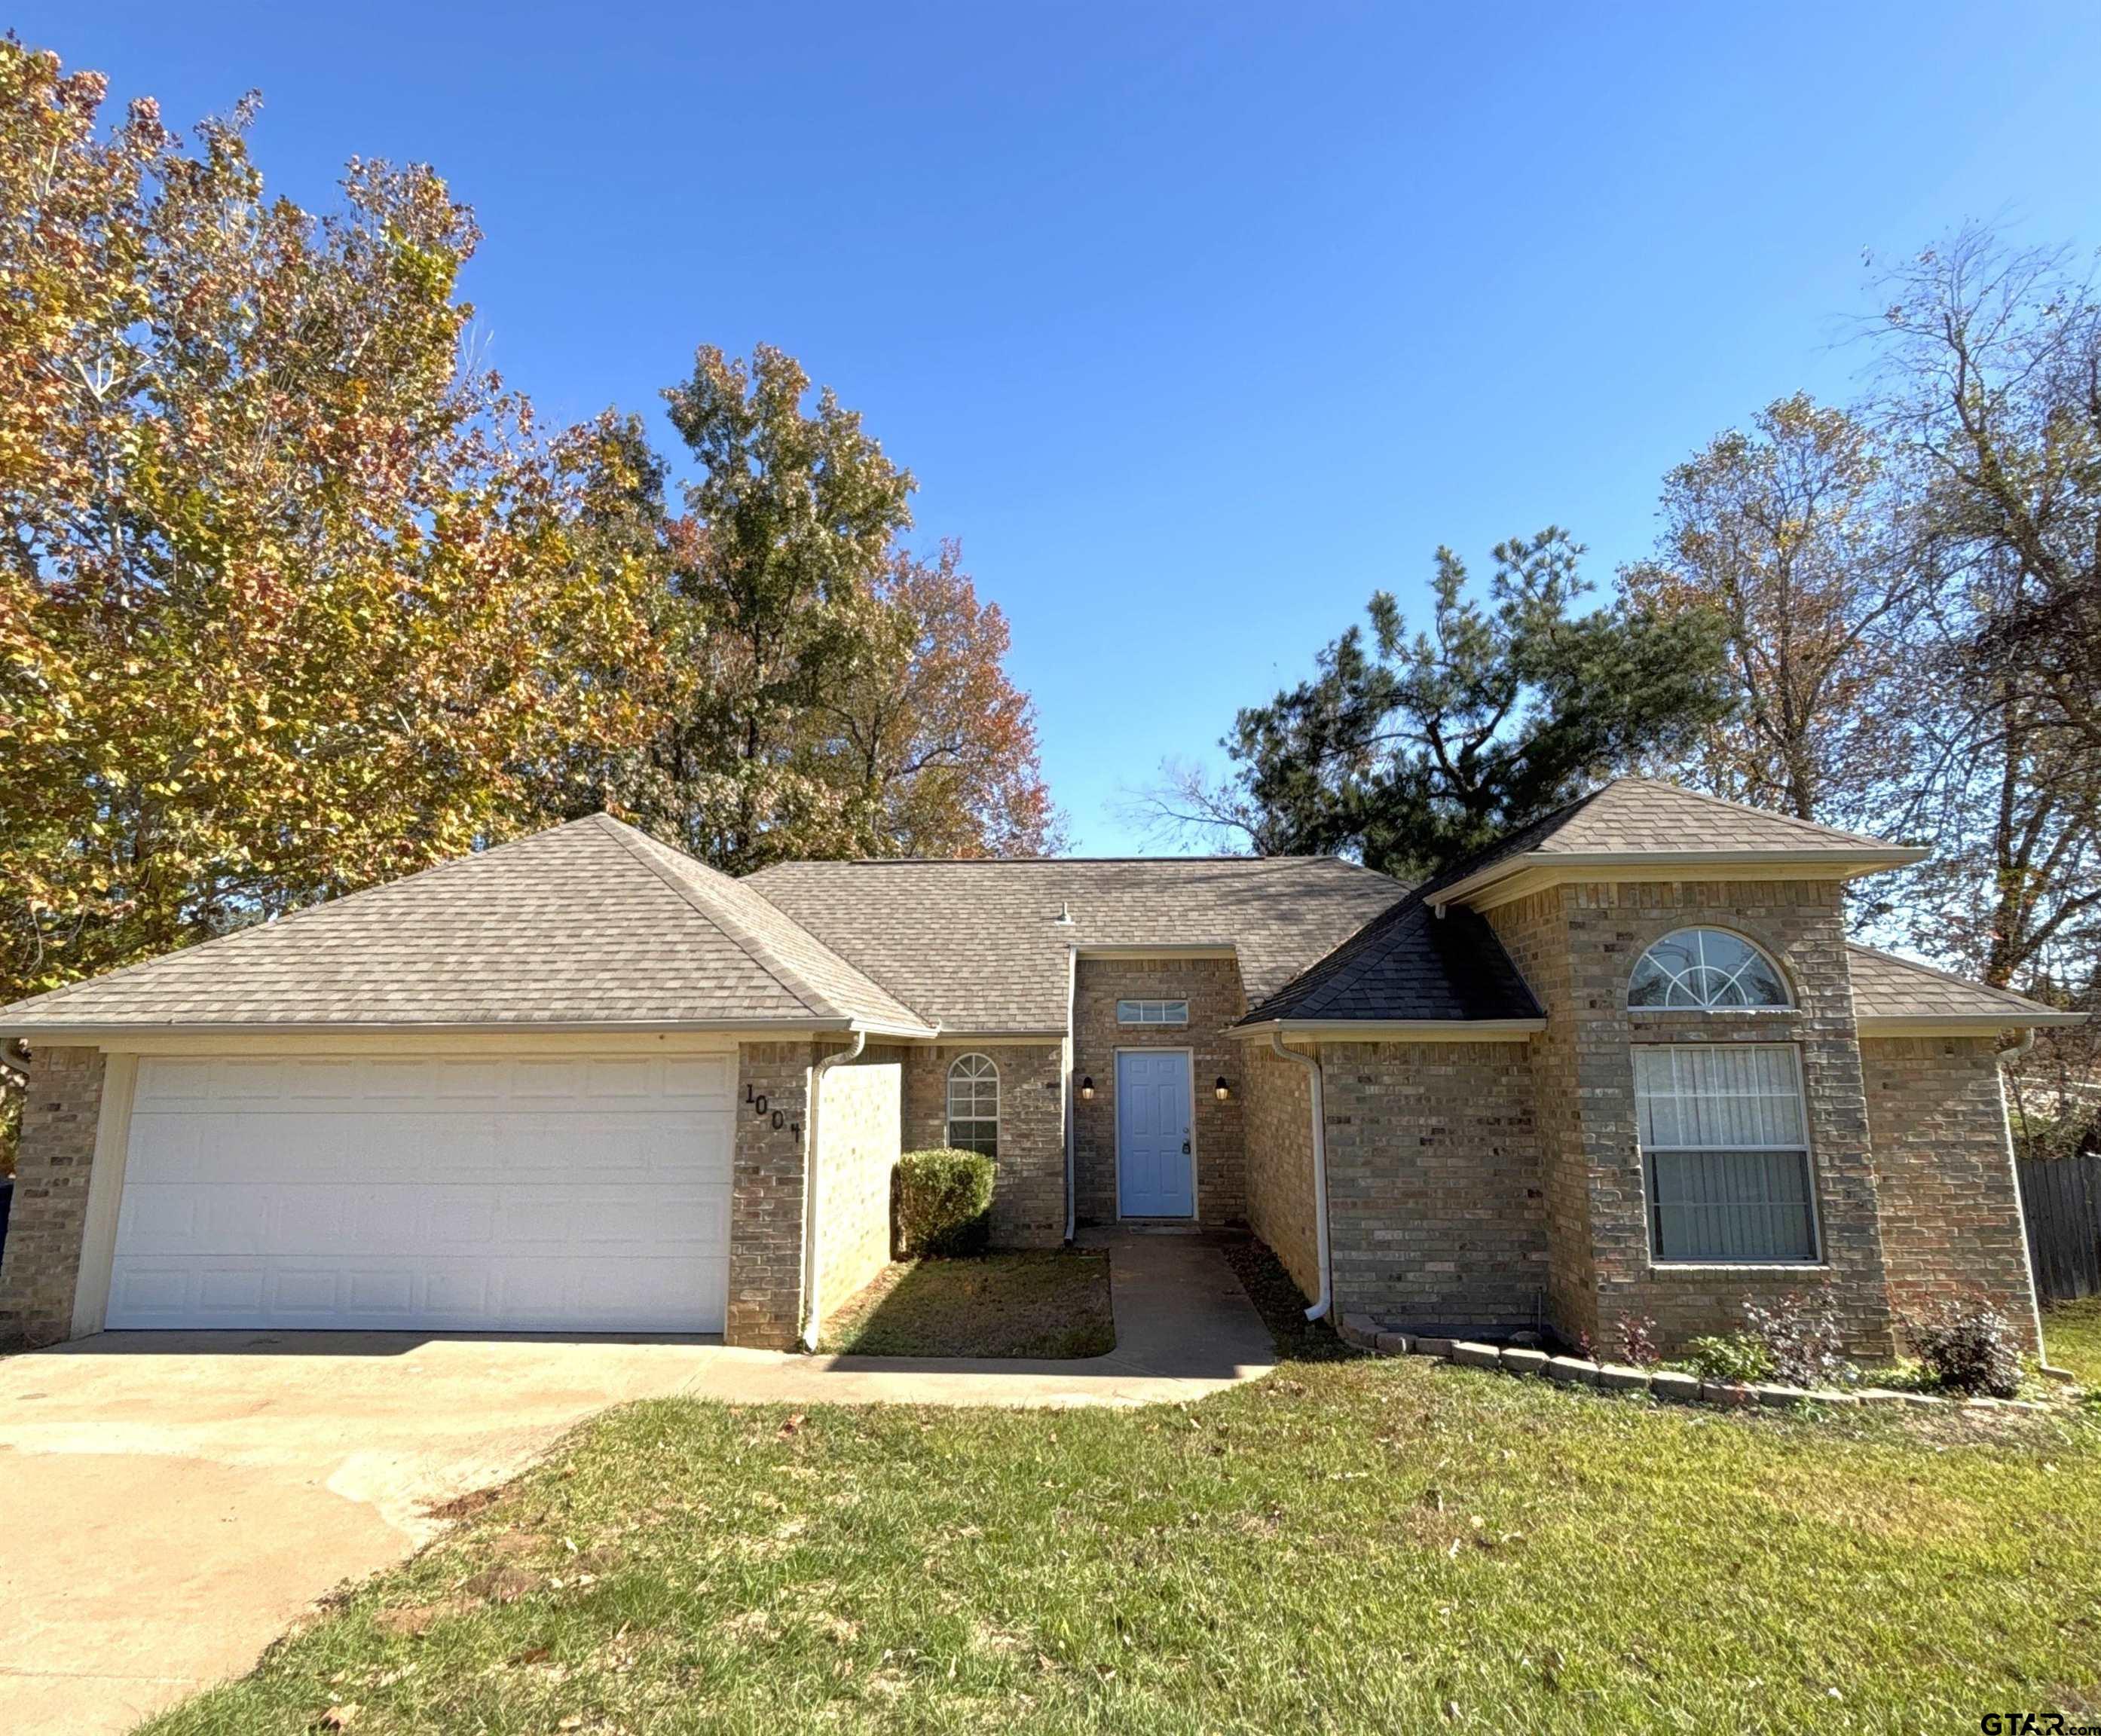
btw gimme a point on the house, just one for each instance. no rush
(1624, 1064)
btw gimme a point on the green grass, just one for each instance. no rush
(1351, 1544)
(1036, 1304)
(2072, 1338)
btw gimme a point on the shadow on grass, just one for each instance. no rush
(1043, 1306)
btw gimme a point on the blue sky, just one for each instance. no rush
(1197, 323)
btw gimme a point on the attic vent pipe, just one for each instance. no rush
(1064, 919)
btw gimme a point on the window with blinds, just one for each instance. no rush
(1725, 1143)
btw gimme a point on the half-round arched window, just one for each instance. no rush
(1705, 969)
(974, 1105)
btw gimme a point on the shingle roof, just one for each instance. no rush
(1886, 987)
(1645, 816)
(977, 945)
(1408, 965)
(1411, 965)
(589, 923)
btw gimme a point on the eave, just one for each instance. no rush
(1515, 876)
(1397, 1030)
(1963, 1024)
(121, 1034)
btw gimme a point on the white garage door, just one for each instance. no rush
(569, 1194)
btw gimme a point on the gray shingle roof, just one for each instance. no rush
(1408, 965)
(1645, 816)
(588, 923)
(1886, 987)
(978, 946)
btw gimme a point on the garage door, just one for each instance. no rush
(583, 1194)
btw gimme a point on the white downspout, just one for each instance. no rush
(2005, 1058)
(1072, 995)
(1312, 1063)
(812, 1315)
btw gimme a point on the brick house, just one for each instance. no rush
(1624, 1064)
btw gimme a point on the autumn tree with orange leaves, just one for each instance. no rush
(290, 601)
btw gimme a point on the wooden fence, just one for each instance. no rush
(2061, 1199)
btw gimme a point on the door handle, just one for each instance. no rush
(1185, 1148)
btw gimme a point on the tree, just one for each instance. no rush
(773, 578)
(1992, 386)
(826, 693)
(931, 743)
(1412, 753)
(289, 602)
(1790, 532)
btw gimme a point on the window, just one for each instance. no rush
(1152, 1012)
(1725, 1141)
(1705, 969)
(974, 1105)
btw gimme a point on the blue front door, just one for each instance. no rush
(1155, 1173)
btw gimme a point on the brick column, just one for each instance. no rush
(49, 1216)
(766, 1195)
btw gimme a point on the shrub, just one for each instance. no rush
(1802, 1340)
(944, 1203)
(1968, 1347)
(1638, 1342)
(1737, 1357)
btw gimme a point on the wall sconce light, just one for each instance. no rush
(1087, 1089)
(1220, 1088)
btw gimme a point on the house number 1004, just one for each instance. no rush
(779, 1117)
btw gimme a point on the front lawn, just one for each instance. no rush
(1353, 1545)
(2072, 1338)
(1038, 1305)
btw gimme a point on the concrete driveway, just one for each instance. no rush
(169, 1502)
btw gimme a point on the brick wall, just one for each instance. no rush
(766, 1195)
(1951, 1213)
(1534, 931)
(42, 1265)
(1436, 1208)
(1276, 1118)
(858, 1134)
(1587, 1059)
(1028, 1184)
(1212, 987)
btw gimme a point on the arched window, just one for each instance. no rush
(1705, 969)
(974, 1105)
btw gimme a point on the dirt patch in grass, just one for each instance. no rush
(1027, 1304)
(461, 1506)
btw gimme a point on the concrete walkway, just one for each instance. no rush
(169, 1502)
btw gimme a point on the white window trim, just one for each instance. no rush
(1779, 970)
(949, 1119)
(1819, 1260)
(1167, 1003)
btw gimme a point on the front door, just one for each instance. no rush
(1155, 1173)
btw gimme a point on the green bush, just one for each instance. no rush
(1737, 1357)
(1968, 1347)
(944, 1204)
